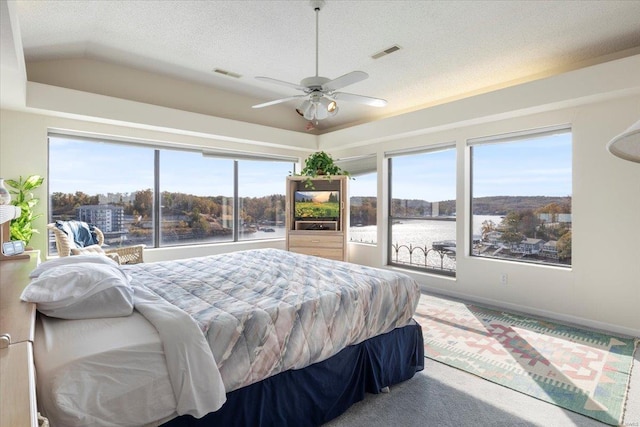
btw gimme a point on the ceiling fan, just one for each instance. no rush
(320, 91)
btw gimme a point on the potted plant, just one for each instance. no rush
(22, 196)
(320, 164)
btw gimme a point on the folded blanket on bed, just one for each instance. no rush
(193, 373)
(266, 311)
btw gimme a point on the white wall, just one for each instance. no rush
(601, 289)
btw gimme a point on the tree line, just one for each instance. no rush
(521, 213)
(140, 206)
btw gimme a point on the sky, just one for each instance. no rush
(532, 167)
(100, 168)
(542, 168)
(535, 167)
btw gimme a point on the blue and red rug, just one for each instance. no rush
(584, 371)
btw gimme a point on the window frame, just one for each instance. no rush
(505, 138)
(359, 166)
(389, 155)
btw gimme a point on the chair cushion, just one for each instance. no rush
(81, 233)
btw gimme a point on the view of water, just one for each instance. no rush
(420, 233)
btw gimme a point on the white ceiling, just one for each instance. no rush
(450, 49)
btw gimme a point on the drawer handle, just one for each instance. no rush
(5, 340)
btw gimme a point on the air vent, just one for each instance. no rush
(385, 52)
(226, 73)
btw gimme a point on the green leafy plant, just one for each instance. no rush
(320, 164)
(22, 196)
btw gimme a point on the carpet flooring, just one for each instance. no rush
(581, 370)
(444, 396)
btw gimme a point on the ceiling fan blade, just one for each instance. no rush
(277, 101)
(345, 80)
(367, 100)
(281, 83)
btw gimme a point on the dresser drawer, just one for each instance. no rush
(316, 241)
(330, 253)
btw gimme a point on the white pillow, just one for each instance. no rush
(76, 259)
(81, 291)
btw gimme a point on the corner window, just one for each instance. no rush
(363, 205)
(422, 216)
(521, 197)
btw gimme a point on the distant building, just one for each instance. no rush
(435, 209)
(550, 250)
(529, 246)
(560, 218)
(107, 218)
(494, 238)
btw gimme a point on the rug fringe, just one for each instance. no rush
(636, 341)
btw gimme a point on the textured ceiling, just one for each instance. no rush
(449, 49)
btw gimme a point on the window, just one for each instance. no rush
(422, 217)
(261, 186)
(521, 197)
(164, 197)
(107, 185)
(363, 205)
(197, 198)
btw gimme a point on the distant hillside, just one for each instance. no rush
(498, 205)
(501, 205)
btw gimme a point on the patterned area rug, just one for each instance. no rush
(580, 370)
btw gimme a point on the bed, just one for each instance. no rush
(259, 337)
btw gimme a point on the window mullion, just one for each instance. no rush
(236, 204)
(157, 208)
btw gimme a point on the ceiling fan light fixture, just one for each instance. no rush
(308, 109)
(321, 111)
(329, 106)
(304, 108)
(311, 113)
(317, 107)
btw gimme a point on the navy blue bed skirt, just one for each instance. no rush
(320, 392)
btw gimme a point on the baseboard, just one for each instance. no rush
(532, 311)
